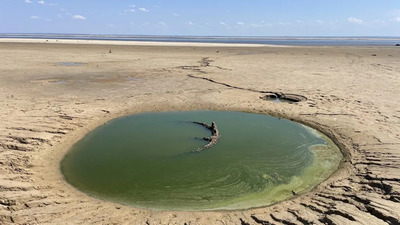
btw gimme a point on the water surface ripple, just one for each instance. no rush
(146, 160)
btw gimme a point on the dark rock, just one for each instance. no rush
(211, 140)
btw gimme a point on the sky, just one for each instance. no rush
(203, 18)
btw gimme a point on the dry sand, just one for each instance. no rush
(352, 96)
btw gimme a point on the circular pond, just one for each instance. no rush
(151, 160)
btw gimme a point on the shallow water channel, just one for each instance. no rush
(146, 160)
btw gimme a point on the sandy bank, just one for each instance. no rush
(352, 95)
(136, 43)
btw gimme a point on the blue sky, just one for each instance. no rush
(205, 17)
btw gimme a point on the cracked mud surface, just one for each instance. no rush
(351, 96)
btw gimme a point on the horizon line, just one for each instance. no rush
(197, 36)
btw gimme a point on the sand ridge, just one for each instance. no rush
(125, 43)
(350, 94)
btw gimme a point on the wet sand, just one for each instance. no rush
(349, 93)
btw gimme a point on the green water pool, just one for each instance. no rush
(147, 160)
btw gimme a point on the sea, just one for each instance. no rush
(269, 40)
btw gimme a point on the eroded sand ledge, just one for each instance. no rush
(352, 96)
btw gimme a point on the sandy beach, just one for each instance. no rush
(54, 92)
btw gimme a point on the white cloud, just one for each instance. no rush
(131, 8)
(379, 22)
(41, 2)
(397, 19)
(78, 17)
(284, 23)
(28, 1)
(175, 14)
(143, 9)
(162, 23)
(299, 21)
(355, 20)
(240, 23)
(256, 25)
(327, 22)
(222, 23)
(35, 17)
(190, 23)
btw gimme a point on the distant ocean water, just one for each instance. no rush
(301, 40)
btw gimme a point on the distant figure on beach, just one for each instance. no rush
(110, 51)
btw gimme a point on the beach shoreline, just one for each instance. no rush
(350, 96)
(118, 42)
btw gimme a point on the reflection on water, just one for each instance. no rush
(71, 64)
(58, 81)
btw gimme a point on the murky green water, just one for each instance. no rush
(144, 160)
